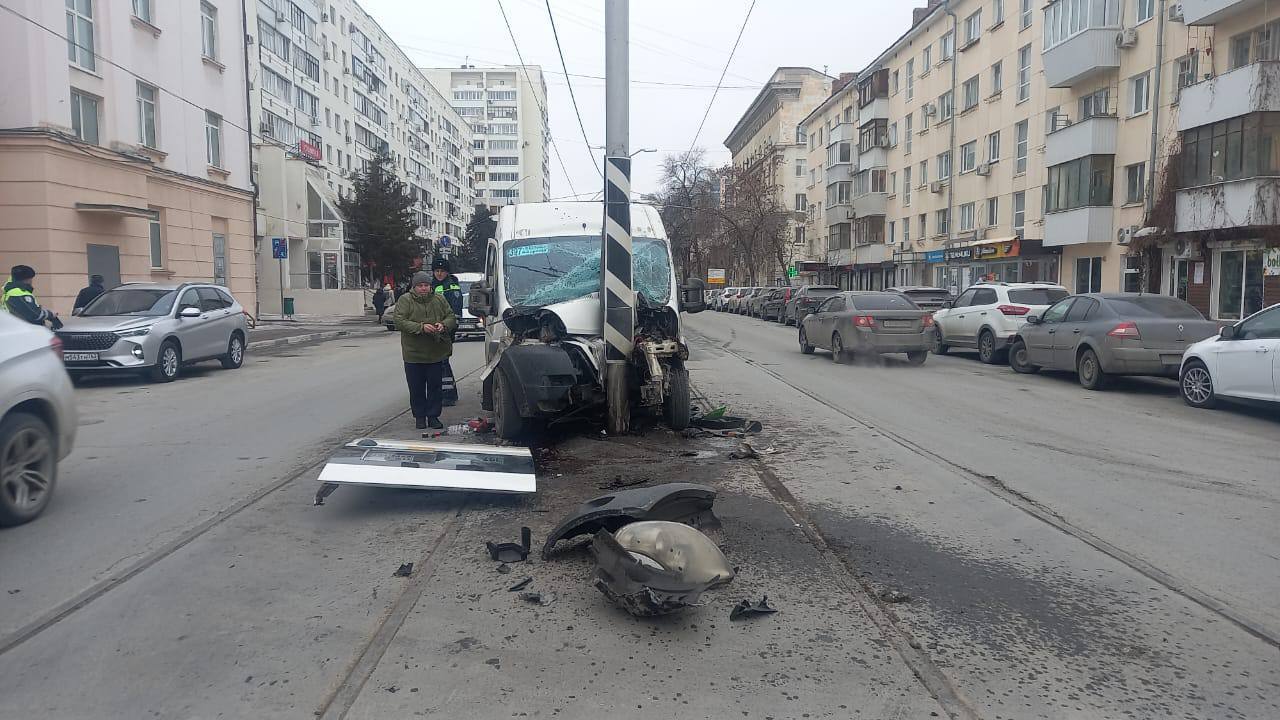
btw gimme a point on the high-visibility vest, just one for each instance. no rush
(14, 291)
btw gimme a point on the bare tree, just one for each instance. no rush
(687, 201)
(755, 224)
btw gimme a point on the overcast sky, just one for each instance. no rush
(672, 41)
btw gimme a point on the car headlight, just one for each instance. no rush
(135, 332)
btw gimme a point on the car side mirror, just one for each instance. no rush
(948, 304)
(1033, 320)
(480, 301)
(693, 296)
(1228, 332)
(189, 312)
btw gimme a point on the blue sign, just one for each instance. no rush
(279, 248)
(935, 256)
(445, 241)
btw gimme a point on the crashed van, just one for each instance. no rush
(540, 303)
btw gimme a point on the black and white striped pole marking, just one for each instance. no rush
(616, 293)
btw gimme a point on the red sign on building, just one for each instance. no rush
(309, 151)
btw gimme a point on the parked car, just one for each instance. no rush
(156, 329)
(928, 298)
(871, 322)
(720, 298)
(987, 315)
(734, 304)
(774, 303)
(804, 300)
(1241, 362)
(37, 418)
(755, 303)
(1099, 335)
(747, 304)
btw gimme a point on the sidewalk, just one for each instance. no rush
(272, 332)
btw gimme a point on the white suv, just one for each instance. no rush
(989, 314)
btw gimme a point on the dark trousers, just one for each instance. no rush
(449, 382)
(426, 395)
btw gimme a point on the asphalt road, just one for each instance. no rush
(1069, 553)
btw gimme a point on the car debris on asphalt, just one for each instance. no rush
(543, 599)
(510, 552)
(428, 466)
(521, 584)
(405, 570)
(657, 567)
(747, 609)
(744, 451)
(688, 503)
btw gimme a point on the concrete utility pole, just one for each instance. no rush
(616, 294)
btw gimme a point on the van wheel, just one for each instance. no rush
(507, 419)
(676, 409)
(28, 467)
(168, 363)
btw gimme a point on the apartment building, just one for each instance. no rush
(330, 90)
(768, 136)
(124, 148)
(953, 116)
(830, 136)
(510, 132)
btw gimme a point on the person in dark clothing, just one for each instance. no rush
(448, 287)
(380, 297)
(90, 293)
(20, 299)
(426, 324)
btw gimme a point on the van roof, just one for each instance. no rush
(571, 218)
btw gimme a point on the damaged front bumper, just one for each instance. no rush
(657, 567)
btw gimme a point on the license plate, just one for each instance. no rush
(80, 357)
(898, 323)
(1170, 359)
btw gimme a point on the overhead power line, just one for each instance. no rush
(733, 51)
(572, 97)
(529, 80)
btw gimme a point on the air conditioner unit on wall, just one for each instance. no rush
(935, 186)
(1127, 38)
(1124, 235)
(1185, 250)
(930, 109)
(1175, 12)
(282, 18)
(983, 169)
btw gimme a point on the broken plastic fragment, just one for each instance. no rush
(405, 570)
(656, 567)
(682, 502)
(543, 599)
(511, 552)
(747, 609)
(524, 583)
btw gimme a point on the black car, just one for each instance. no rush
(928, 298)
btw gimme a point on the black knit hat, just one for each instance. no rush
(22, 272)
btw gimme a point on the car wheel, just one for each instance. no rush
(235, 352)
(837, 349)
(805, 347)
(1018, 358)
(1090, 372)
(28, 467)
(918, 357)
(508, 422)
(987, 352)
(939, 347)
(676, 409)
(1196, 386)
(168, 363)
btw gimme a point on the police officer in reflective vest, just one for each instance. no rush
(20, 298)
(448, 287)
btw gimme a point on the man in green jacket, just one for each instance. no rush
(426, 324)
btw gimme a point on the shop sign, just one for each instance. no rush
(935, 256)
(985, 251)
(1272, 265)
(715, 276)
(309, 151)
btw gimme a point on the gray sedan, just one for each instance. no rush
(868, 322)
(1099, 335)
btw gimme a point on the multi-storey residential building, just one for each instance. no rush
(124, 150)
(510, 133)
(830, 136)
(768, 136)
(954, 110)
(330, 90)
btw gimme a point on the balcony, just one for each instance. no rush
(843, 132)
(1091, 224)
(1081, 56)
(1248, 89)
(838, 258)
(868, 204)
(878, 109)
(840, 172)
(839, 213)
(1210, 12)
(873, 157)
(1092, 136)
(1250, 202)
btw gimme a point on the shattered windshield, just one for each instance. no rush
(544, 271)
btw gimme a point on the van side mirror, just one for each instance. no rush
(1228, 332)
(480, 301)
(693, 296)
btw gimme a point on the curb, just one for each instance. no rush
(310, 337)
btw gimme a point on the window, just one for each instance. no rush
(906, 187)
(306, 102)
(967, 219)
(1140, 94)
(894, 83)
(946, 106)
(993, 211)
(1265, 326)
(997, 13)
(1135, 182)
(970, 93)
(213, 138)
(983, 296)
(1242, 147)
(924, 225)
(1024, 12)
(146, 115)
(157, 241)
(1239, 277)
(972, 28)
(279, 44)
(1146, 9)
(911, 78)
(1188, 70)
(874, 134)
(906, 231)
(893, 183)
(142, 10)
(209, 30)
(1019, 212)
(947, 46)
(1065, 19)
(1024, 73)
(993, 147)
(800, 136)
(802, 202)
(892, 236)
(1096, 104)
(1020, 150)
(800, 240)
(1058, 312)
(1052, 117)
(308, 65)
(943, 220)
(969, 156)
(80, 34)
(1088, 274)
(924, 173)
(1080, 183)
(800, 167)
(907, 121)
(926, 60)
(1081, 309)
(944, 165)
(893, 134)
(84, 116)
(1261, 43)
(997, 78)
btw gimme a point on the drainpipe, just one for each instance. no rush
(248, 131)
(951, 149)
(1155, 110)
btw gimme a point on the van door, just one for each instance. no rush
(493, 326)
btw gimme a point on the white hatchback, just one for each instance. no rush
(987, 316)
(1242, 362)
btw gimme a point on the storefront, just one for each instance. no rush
(1225, 279)
(1009, 259)
(908, 269)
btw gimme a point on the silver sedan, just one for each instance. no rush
(869, 322)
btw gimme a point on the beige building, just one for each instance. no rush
(124, 150)
(830, 136)
(768, 135)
